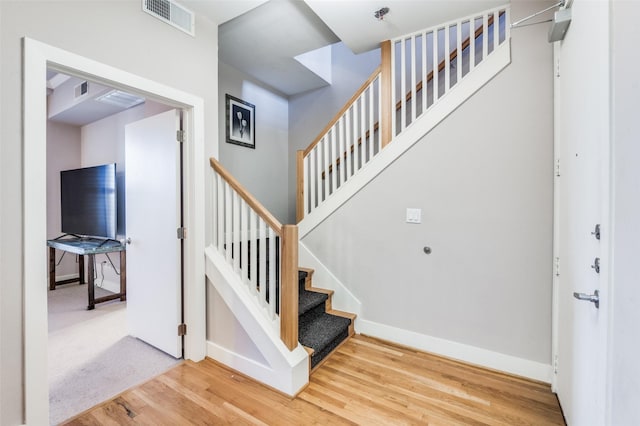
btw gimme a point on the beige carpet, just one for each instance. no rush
(91, 358)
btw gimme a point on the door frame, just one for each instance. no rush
(37, 57)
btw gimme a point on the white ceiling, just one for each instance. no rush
(262, 37)
(354, 22)
(264, 42)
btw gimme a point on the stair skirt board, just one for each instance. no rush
(284, 370)
(470, 354)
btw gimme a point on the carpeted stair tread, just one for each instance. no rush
(320, 330)
(307, 300)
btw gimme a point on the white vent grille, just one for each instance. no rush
(172, 13)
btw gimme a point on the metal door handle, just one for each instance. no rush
(595, 297)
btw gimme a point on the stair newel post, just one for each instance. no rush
(289, 287)
(385, 92)
(300, 185)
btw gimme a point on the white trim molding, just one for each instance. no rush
(459, 351)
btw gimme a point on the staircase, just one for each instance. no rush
(279, 340)
(320, 328)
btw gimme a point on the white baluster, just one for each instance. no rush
(459, 51)
(363, 130)
(472, 44)
(436, 65)
(253, 252)
(313, 180)
(214, 211)
(272, 273)
(235, 248)
(227, 220)
(306, 183)
(350, 141)
(333, 153)
(403, 85)
(447, 58)
(325, 166)
(220, 214)
(507, 23)
(393, 92)
(342, 144)
(424, 72)
(379, 83)
(371, 132)
(496, 30)
(262, 261)
(244, 242)
(485, 36)
(413, 78)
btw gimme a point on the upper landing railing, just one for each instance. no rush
(416, 71)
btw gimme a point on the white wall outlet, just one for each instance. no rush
(414, 215)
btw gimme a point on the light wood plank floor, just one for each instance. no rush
(365, 382)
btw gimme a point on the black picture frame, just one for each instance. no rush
(240, 122)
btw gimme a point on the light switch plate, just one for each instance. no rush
(414, 215)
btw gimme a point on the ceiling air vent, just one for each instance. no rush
(172, 13)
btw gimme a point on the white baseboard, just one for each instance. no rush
(470, 354)
(67, 277)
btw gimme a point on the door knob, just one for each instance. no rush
(594, 298)
(128, 240)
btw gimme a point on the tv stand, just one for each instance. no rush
(83, 246)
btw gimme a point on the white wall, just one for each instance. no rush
(483, 179)
(311, 111)
(625, 351)
(63, 153)
(116, 33)
(263, 170)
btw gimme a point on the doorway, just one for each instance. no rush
(95, 354)
(37, 58)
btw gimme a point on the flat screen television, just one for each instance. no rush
(88, 201)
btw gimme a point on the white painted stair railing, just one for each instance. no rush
(417, 72)
(252, 267)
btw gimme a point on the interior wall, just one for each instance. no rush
(114, 33)
(63, 153)
(311, 111)
(483, 179)
(263, 170)
(625, 350)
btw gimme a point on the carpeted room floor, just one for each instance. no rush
(91, 357)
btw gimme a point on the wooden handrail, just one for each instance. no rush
(346, 106)
(246, 196)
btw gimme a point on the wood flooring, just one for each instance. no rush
(366, 381)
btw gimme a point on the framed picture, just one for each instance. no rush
(241, 120)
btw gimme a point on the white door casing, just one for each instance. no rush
(38, 57)
(582, 201)
(153, 209)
